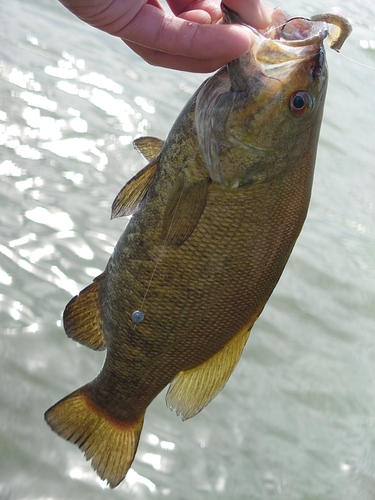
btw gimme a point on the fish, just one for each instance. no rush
(215, 215)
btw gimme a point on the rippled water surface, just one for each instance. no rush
(297, 418)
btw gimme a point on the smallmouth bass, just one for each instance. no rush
(215, 216)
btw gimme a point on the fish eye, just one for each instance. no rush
(300, 103)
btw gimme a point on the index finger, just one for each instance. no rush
(176, 36)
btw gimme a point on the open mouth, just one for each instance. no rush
(300, 31)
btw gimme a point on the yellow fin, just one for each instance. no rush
(132, 194)
(190, 391)
(149, 147)
(82, 319)
(184, 208)
(109, 444)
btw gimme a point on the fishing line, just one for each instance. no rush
(268, 31)
(138, 315)
(357, 62)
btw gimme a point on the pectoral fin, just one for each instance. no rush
(82, 319)
(149, 147)
(190, 391)
(184, 208)
(134, 191)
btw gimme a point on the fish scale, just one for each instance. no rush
(201, 327)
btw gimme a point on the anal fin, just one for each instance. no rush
(109, 444)
(191, 390)
(82, 318)
(184, 207)
(132, 194)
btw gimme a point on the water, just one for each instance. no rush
(297, 418)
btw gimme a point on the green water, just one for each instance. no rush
(297, 418)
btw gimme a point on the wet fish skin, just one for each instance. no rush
(216, 213)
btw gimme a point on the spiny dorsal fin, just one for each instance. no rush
(184, 208)
(109, 444)
(132, 194)
(149, 147)
(82, 319)
(190, 391)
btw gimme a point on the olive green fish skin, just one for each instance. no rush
(197, 296)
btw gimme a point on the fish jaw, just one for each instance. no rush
(245, 118)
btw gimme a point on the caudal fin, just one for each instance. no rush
(109, 444)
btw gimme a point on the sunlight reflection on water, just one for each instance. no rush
(296, 418)
(95, 88)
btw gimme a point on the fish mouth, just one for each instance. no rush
(301, 32)
(298, 31)
(292, 32)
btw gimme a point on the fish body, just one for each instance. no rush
(215, 215)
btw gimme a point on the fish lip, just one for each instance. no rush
(300, 37)
(319, 32)
(295, 48)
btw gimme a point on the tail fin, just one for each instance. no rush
(110, 444)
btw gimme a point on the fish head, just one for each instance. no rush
(253, 112)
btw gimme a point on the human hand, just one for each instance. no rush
(190, 39)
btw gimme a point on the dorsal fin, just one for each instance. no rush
(184, 207)
(149, 147)
(82, 318)
(190, 391)
(132, 194)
